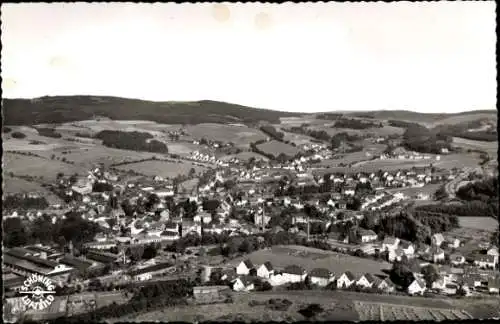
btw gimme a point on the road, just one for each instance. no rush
(452, 186)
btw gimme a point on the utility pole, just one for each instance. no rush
(308, 227)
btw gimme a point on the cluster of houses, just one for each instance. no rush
(243, 277)
(402, 154)
(207, 158)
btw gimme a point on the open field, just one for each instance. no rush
(38, 167)
(12, 185)
(238, 134)
(373, 132)
(388, 312)
(161, 168)
(337, 305)
(276, 148)
(479, 223)
(310, 258)
(489, 147)
(458, 119)
(183, 148)
(429, 189)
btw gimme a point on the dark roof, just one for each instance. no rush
(369, 277)
(248, 264)
(13, 282)
(294, 269)
(156, 267)
(21, 253)
(78, 263)
(321, 273)
(101, 256)
(268, 265)
(485, 258)
(350, 275)
(246, 280)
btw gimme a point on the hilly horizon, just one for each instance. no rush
(60, 109)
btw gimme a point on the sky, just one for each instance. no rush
(421, 56)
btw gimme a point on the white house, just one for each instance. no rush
(243, 283)
(437, 254)
(265, 270)
(346, 280)
(494, 252)
(408, 249)
(437, 239)
(485, 261)
(206, 218)
(386, 285)
(367, 235)
(277, 279)
(244, 267)
(494, 285)
(457, 259)
(417, 287)
(453, 242)
(366, 281)
(390, 243)
(294, 273)
(321, 276)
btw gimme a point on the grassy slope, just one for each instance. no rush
(426, 118)
(72, 108)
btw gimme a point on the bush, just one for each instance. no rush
(18, 135)
(48, 132)
(6, 129)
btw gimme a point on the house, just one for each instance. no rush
(485, 261)
(321, 276)
(346, 280)
(395, 255)
(417, 287)
(450, 289)
(453, 243)
(494, 285)
(437, 239)
(243, 283)
(244, 267)
(294, 273)
(390, 243)
(148, 272)
(457, 259)
(349, 191)
(386, 285)
(440, 283)
(265, 270)
(366, 281)
(437, 254)
(367, 235)
(204, 217)
(494, 252)
(408, 248)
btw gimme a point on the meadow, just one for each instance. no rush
(489, 147)
(479, 223)
(161, 168)
(310, 258)
(240, 135)
(13, 185)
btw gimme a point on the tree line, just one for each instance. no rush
(356, 124)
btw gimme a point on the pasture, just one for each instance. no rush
(15, 185)
(458, 119)
(88, 156)
(276, 148)
(38, 167)
(161, 168)
(372, 132)
(489, 147)
(310, 258)
(429, 189)
(240, 135)
(183, 148)
(479, 223)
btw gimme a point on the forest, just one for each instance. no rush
(134, 141)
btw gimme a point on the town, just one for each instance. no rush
(219, 162)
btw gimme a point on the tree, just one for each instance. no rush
(15, 233)
(430, 275)
(149, 252)
(401, 274)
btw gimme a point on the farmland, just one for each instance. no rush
(429, 189)
(164, 169)
(479, 223)
(240, 135)
(309, 258)
(387, 312)
(489, 147)
(276, 148)
(38, 167)
(15, 185)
